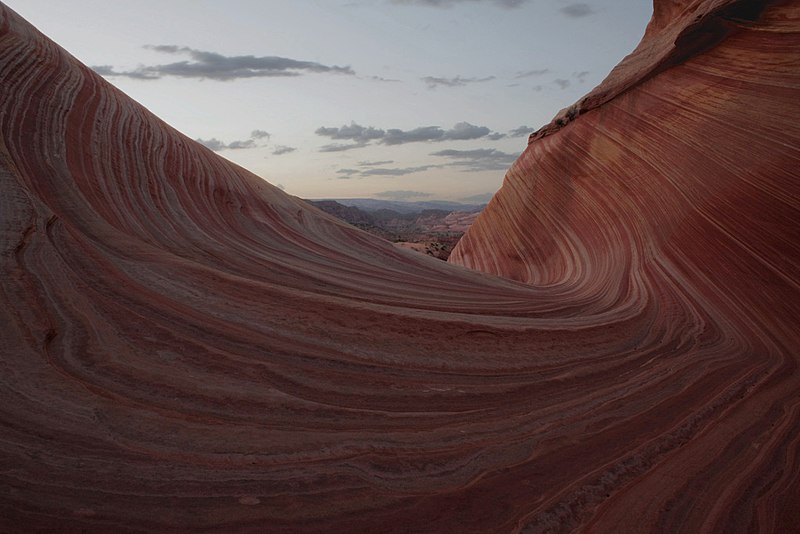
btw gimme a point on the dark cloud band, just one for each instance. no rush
(363, 135)
(434, 81)
(214, 66)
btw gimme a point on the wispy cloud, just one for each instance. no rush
(522, 131)
(435, 81)
(216, 145)
(352, 132)
(397, 172)
(532, 73)
(461, 131)
(507, 4)
(479, 159)
(374, 163)
(214, 66)
(562, 83)
(382, 79)
(280, 150)
(577, 10)
(339, 147)
(104, 70)
(237, 145)
(581, 76)
(363, 135)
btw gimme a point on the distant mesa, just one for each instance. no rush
(184, 346)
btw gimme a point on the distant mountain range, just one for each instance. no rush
(432, 227)
(373, 204)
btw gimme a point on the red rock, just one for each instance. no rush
(672, 191)
(183, 346)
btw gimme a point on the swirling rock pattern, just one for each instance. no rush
(186, 347)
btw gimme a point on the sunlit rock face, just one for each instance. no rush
(183, 346)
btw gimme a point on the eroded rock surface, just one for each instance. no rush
(184, 346)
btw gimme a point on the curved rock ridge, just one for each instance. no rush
(676, 184)
(185, 347)
(678, 30)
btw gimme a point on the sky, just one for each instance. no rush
(394, 99)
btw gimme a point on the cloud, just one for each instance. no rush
(362, 135)
(348, 173)
(425, 133)
(460, 132)
(507, 4)
(577, 11)
(374, 163)
(465, 130)
(216, 145)
(496, 136)
(382, 79)
(581, 76)
(401, 195)
(561, 82)
(103, 70)
(397, 172)
(237, 145)
(529, 73)
(280, 150)
(522, 131)
(353, 132)
(338, 147)
(433, 81)
(213, 66)
(479, 159)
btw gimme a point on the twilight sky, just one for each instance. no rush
(399, 99)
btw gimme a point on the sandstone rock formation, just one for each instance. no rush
(184, 346)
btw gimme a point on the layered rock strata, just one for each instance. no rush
(185, 347)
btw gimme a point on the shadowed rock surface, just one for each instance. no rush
(184, 346)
